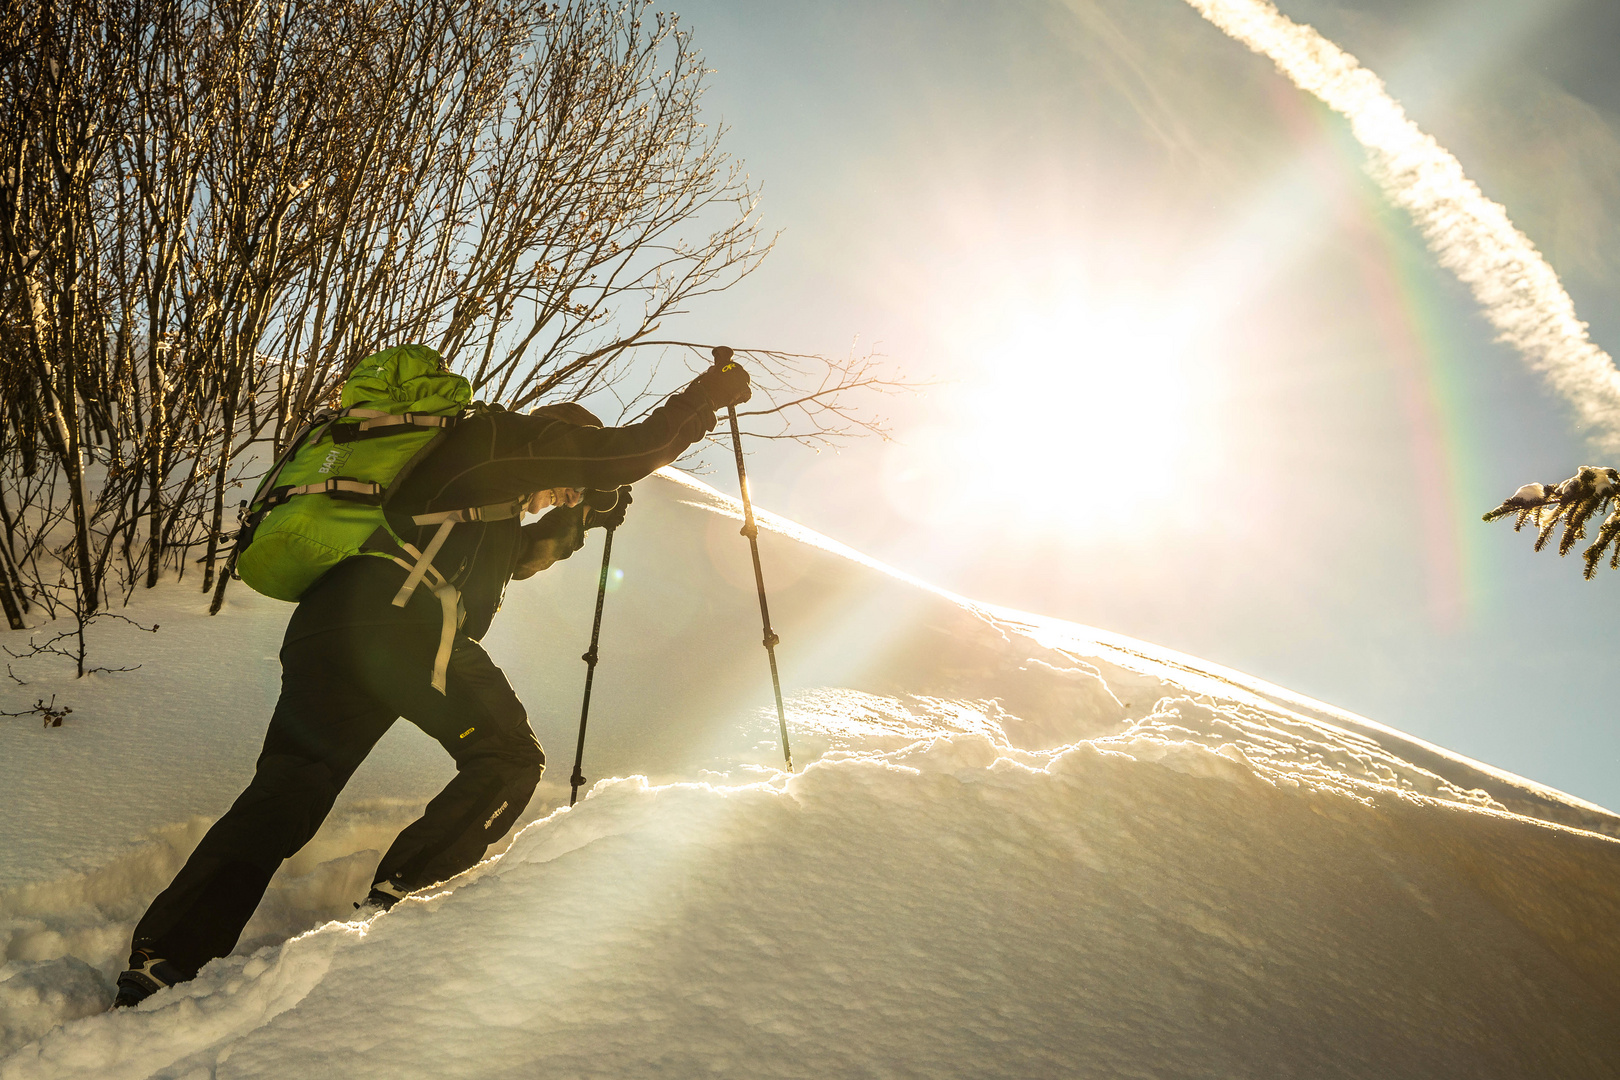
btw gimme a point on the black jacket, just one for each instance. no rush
(493, 457)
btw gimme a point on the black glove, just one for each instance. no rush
(551, 539)
(726, 383)
(605, 509)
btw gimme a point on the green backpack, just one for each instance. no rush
(323, 499)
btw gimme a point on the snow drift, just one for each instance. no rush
(1019, 847)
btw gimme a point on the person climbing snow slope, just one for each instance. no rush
(356, 657)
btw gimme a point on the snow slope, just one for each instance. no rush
(1015, 847)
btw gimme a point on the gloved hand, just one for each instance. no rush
(605, 509)
(547, 541)
(726, 383)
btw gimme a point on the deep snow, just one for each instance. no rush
(1015, 847)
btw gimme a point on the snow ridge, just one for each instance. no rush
(959, 906)
(1019, 848)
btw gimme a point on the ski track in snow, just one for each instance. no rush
(1019, 848)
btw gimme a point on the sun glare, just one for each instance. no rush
(1072, 414)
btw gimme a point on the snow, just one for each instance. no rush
(1015, 847)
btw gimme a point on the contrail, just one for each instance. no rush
(1472, 236)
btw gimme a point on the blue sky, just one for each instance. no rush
(1199, 383)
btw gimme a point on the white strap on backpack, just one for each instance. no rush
(449, 602)
(422, 568)
(371, 419)
(446, 520)
(424, 562)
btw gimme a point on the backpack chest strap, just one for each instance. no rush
(447, 520)
(492, 512)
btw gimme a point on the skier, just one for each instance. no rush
(352, 663)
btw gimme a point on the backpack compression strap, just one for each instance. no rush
(370, 419)
(373, 422)
(365, 490)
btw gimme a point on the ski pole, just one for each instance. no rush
(578, 779)
(722, 354)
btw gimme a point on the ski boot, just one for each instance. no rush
(147, 975)
(383, 895)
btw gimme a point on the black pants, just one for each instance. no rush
(341, 689)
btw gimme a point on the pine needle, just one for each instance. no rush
(1592, 490)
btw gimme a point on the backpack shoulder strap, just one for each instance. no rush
(447, 520)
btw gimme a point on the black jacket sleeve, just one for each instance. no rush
(498, 456)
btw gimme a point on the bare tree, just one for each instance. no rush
(211, 209)
(54, 140)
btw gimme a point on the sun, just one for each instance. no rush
(1081, 412)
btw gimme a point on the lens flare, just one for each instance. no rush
(1472, 236)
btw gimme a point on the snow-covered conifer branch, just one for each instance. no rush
(1590, 491)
